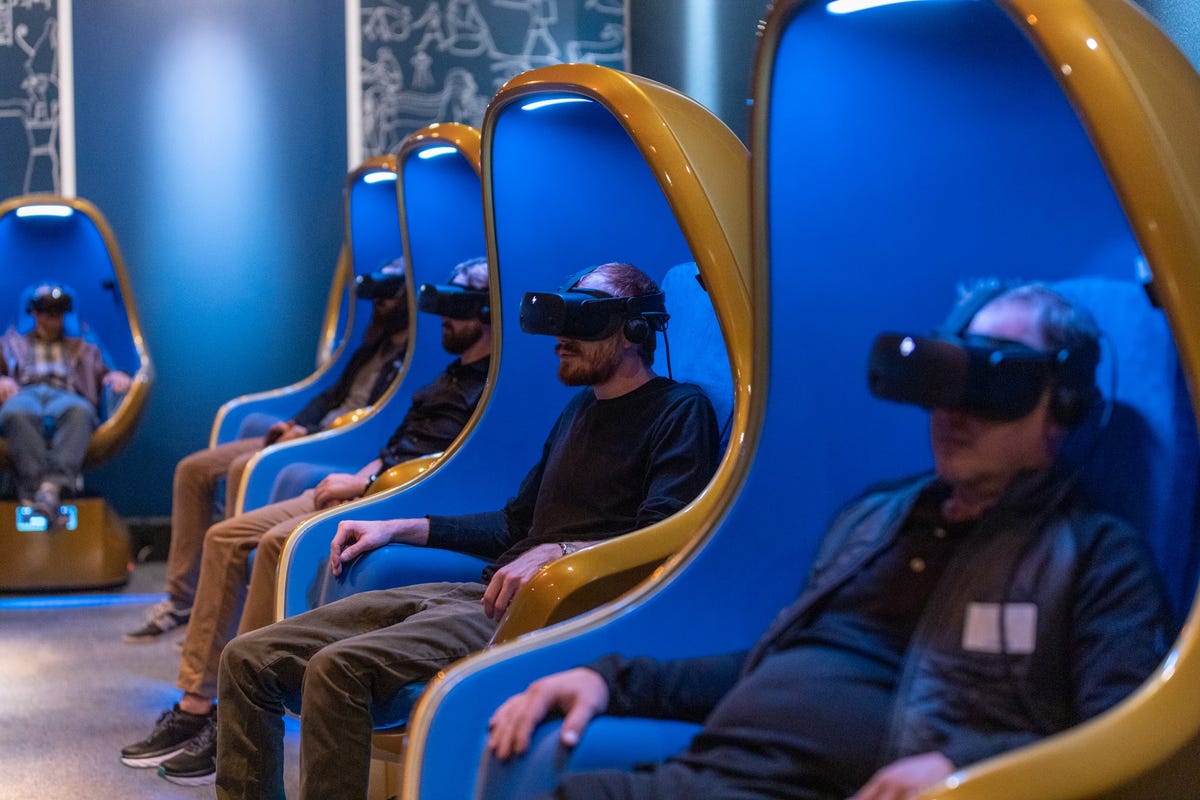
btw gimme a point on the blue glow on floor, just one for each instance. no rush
(77, 601)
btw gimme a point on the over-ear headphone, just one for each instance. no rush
(1073, 391)
(641, 315)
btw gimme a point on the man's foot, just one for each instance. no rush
(163, 617)
(174, 729)
(46, 501)
(197, 764)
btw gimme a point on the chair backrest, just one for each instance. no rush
(371, 238)
(74, 251)
(695, 347)
(896, 150)
(68, 240)
(437, 210)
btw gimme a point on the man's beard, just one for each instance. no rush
(457, 341)
(592, 366)
(387, 323)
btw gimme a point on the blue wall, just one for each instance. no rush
(211, 133)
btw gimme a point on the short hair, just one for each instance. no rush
(471, 274)
(1063, 325)
(625, 280)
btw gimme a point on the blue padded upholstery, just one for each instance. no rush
(607, 743)
(256, 424)
(900, 150)
(443, 226)
(372, 238)
(1144, 466)
(696, 344)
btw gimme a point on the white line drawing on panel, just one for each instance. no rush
(409, 46)
(468, 31)
(38, 110)
(542, 14)
(608, 51)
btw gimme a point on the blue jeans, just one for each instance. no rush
(58, 458)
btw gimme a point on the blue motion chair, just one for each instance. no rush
(68, 241)
(371, 238)
(581, 165)
(895, 151)
(436, 213)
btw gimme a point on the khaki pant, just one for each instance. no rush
(221, 591)
(195, 485)
(348, 663)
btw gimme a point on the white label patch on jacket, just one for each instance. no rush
(981, 630)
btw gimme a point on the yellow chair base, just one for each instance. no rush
(95, 553)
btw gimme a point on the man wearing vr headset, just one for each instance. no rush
(48, 375)
(183, 742)
(946, 619)
(369, 372)
(630, 449)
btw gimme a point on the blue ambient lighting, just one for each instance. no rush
(553, 101)
(45, 211)
(850, 6)
(434, 152)
(379, 177)
(76, 601)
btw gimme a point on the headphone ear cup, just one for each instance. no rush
(1075, 392)
(637, 329)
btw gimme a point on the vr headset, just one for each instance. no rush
(454, 301)
(590, 315)
(378, 284)
(49, 298)
(995, 379)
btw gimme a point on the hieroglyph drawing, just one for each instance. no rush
(28, 97)
(426, 61)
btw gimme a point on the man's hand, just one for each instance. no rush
(283, 431)
(8, 387)
(118, 381)
(512, 576)
(906, 778)
(579, 693)
(355, 537)
(338, 488)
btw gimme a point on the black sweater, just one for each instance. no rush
(608, 467)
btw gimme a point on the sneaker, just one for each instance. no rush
(174, 729)
(47, 502)
(163, 617)
(197, 764)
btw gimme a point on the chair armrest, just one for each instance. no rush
(112, 434)
(595, 575)
(305, 581)
(403, 473)
(607, 743)
(401, 565)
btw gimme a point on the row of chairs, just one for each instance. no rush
(897, 148)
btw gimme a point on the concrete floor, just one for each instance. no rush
(72, 694)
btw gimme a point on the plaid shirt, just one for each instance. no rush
(49, 366)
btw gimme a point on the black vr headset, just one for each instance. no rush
(996, 379)
(454, 301)
(378, 284)
(49, 297)
(591, 315)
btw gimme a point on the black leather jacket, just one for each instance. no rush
(1101, 626)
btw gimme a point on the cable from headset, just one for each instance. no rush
(666, 349)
